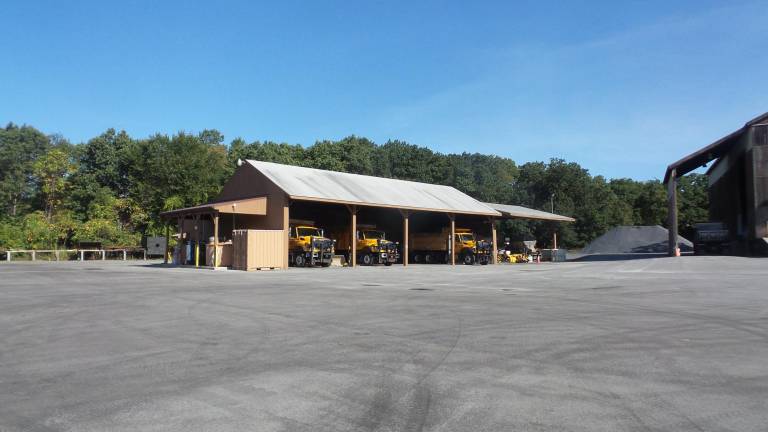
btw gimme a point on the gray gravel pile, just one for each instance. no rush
(635, 239)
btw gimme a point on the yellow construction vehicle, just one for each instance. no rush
(308, 246)
(372, 246)
(435, 247)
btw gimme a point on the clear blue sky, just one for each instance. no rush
(621, 87)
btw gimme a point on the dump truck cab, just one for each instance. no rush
(308, 246)
(435, 247)
(371, 244)
(374, 248)
(469, 249)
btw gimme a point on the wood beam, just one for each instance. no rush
(167, 243)
(405, 237)
(215, 240)
(453, 238)
(353, 238)
(494, 248)
(286, 231)
(672, 213)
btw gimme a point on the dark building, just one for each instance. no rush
(738, 185)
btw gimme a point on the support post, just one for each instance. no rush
(82, 255)
(453, 238)
(672, 213)
(33, 256)
(353, 238)
(8, 255)
(103, 254)
(215, 240)
(56, 253)
(494, 248)
(180, 244)
(167, 243)
(405, 237)
(554, 240)
(125, 256)
(286, 231)
(197, 241)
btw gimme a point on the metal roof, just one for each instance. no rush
(330, 186)
(516, 211)
(713, 151)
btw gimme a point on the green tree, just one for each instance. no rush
(51, 172)
(20, 147)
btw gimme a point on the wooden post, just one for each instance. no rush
(215, 240)
(494, 248)
(672, 212)
(180, 243)
(453, 238)
(167, 243)
(197, 241)
(353, 239)
(286, 231)
(405, 238)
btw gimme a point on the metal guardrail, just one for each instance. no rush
(80, 253)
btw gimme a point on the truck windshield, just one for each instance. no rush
(465, 237)
(309, 232)
(374, 234)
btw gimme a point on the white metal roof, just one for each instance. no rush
(332, 186)
(527, 213)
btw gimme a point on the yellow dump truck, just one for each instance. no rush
(434, 247)
(372, 247)
(308, 246)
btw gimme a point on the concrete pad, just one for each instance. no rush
(648, 344)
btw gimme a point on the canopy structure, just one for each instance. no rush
(515, 211)
(249, 206)
(310, 184)
(711, 152)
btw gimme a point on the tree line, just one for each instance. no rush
(113, 187)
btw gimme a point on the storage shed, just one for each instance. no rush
(267, 196)
(738, 186)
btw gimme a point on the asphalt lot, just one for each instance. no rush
(649, 344)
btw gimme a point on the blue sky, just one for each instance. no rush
(622, 88)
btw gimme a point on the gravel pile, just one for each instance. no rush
(634, 239)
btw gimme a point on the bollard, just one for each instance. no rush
(33, 255)
(82, 257)
(8, 256)
(124, 255)
(103, 255)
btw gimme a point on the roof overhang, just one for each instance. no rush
(250, 206)
(519, 212)
(491, 211)
(711, 152)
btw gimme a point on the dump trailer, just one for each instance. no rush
(434, 247)
(711, 238)
(308, 246)
(372, 246)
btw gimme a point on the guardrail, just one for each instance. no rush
(80, 253)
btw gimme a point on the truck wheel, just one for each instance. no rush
(299, 260)
(388, 263)
(428, 259)
(367, 259)
(417, 258)
(468, 259)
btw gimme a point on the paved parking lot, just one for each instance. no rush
(651, 344)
